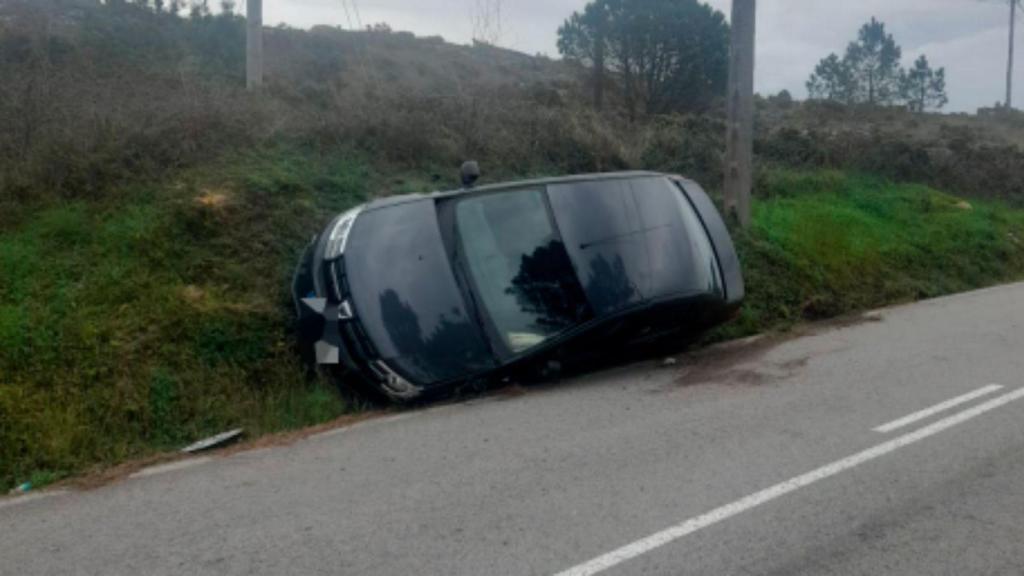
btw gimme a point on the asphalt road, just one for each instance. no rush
(771, 457)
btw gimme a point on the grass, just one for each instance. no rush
(159, 314)
(826, 243)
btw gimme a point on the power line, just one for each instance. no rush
(359, 20)
(365, 64)
(348, 15)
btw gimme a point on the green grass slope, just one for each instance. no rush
(826, 243)
(161, 314)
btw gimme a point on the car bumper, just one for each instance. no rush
(329, 331)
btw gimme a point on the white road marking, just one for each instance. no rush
(692, 525)
(941, 406)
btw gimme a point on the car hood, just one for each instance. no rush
(405, 295)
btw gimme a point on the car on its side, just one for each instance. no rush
(418, 294)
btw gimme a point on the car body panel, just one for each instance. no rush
(718, 232)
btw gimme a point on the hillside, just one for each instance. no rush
(151, 210)
(99, 94)
(974, 155)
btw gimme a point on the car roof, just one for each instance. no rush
(560, 180)
(498, 186)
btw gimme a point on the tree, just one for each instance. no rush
(199, 9)
(583, 38)
(669, 54)
(870, 73)
(874, 63)
(922, 87)
(832, 80)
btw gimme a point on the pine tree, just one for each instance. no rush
(922, 87)
(874, 64)
(832, 80)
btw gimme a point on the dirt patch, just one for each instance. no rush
(794, 364)
(740, 361)
(511, 390)
(213, 199)
(193, 294)
(207, 300)
(725, 362)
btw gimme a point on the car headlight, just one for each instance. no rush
(338, 235)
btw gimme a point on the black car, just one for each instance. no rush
(417, 294)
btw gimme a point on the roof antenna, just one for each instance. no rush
(470, 172)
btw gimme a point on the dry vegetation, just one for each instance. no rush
(973, 155)
(97, 94)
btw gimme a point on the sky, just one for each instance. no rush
(967, 37)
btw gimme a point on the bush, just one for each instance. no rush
(973, 157)
(687, 145)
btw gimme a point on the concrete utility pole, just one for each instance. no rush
(739, 143)
(1009, 63)
(254, 44)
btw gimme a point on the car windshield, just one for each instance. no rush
(521, 275)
